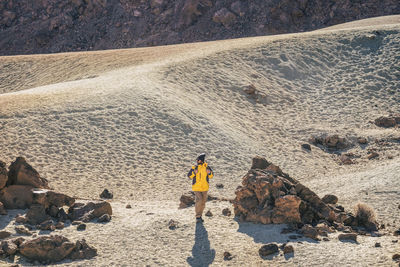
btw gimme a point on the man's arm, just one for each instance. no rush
(191, 173)
(210, 172)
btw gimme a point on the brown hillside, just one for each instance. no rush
(44, 26)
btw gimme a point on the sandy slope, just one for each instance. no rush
(133, 121)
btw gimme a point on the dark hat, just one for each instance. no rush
(202, 157)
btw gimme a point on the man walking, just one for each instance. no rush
(200, 175)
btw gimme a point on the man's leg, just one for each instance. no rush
(198, 203)
(203, 201)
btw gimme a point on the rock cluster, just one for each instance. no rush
(332, 142)
(269, 196)
(23, 188)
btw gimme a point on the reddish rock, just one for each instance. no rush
(259, 163)
(90, 210)
(16, 196)
(47, 226)
(82, 251)
(362, 140)
(288, 249)
(346, 160)
(348, 237)
(47, 248)
(36, 214)
(186, 200)
(309, 231)
(226, 212)
(9, 247)
(286, 210)
(209, 213)
(4, 234)
(48, 198)
(21, 173)
(330, 141)
(225, 17)
(250, 90)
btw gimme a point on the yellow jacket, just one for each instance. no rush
(201, 179)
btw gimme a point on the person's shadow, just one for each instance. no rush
(202, 254)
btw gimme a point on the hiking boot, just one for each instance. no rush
(199, 220)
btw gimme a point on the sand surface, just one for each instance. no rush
(134, 120)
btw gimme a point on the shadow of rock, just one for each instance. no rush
(202, 254)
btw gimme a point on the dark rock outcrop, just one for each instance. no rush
(106, 194)
(268, 250)
(49, 198)
(22, 173)
(88, 211)
(16, 196)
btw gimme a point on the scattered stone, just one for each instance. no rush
(89, 211)
(362, 140)
(372, 155)
(219, 186)
(21, 173)
(104, 218)
(227, 256)
(16, 196)
(378, 245)
(186, 200)
(47, 248)
(53, 211)
(397, 232)
(348, 237)
(106, 194)
(3, 210)
(36, 214)
(250, 90)
(306, 147)
(81, 227)
(172, 225)
(288, 249)
(268, 249)
(330, 141)
(82, 251)
(4, 234)
(309, 231)
(22, 230)
(209, 213)
(396, 257)
(346, 160)
(325, 239)
(385, 122)
(128, 206)
(20, 219)
(226, 212)
(390, 157)
(330, 199)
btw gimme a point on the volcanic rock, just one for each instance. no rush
(16, 196)
(104, 218)
(225, 17)
(270, 196)
(330, 141)
(209, 213)
(309, 231)
(288, 249)
(3, 175)
(22, 230)
(47, 248)
(47, 225)
(88, 211)
(60, 225)
(386, 122)
(36, 214)
(82, 251)
(172, 224)
(21, 173)
(306, 147)
(106, 194)
(3, 210)
(227, 256)
(186, 200)
(81, 227)
(330, 199)
(372, 155)
(4, 234)
(219, 186)
(268, 249)
(226, 212)
(9, 247)
(48, 198)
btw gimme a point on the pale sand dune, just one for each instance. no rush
(133, 121)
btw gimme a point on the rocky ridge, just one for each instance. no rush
(44, 26)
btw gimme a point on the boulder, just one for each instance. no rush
(3, 175)
(104, 218)
(48, 198)
(259, 163)
(88, 211)
(21, 173)
(4, 234)
(47, 226)
(82, 251)
(330, 199)
(309, 231)
(47, 248)
(225, 17)
(106, 194)
(288, 249)
(36, 214)
(16, 196)
(186, 200)
(9, 247)
(3, 210)
(330, 141)
(268, 249)
(306, 147)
